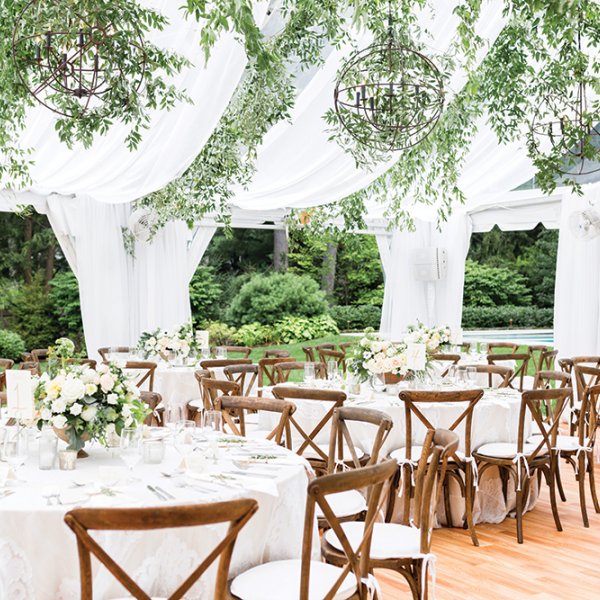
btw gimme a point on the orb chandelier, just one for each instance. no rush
(68, 61)
(388, 96)
(567, 126)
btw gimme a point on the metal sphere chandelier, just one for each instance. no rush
(66, 60)
(388, 96)
(567, 126)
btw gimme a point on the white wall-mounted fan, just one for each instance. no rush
(141, 222)
(585, 224)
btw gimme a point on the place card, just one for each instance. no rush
(19, 395)
(202, 338)
(415, 356)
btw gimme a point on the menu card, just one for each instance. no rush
(415, 356)
(19, 395)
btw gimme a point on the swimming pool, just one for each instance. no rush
(518, 336)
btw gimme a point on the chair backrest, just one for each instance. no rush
(566, 364)
(309, 352)
(503, 374)
(324, 347)
(6, 364)
(266, 370)
(589, 421)
(216, 363)
(83, 520)
(90, 362)
(510, 346)
(465, 347)
(244, 375)
(153, 402)
(235, 407)
(585, 376)
(535, 356)
(284, 370)
(201, 374)
(521, 361)
(275, 354)
(39, 354)
(143, 372)
(345, 345)
(340, 435)
(340, 358)
(447, 359)
(374, 479)
(544, 380)
(105, 351)
(32, 366)
(213, 388)
(243, 350)
(333, 397)
(545, 408)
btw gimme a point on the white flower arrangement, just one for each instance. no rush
(161, 342)
(432, 337)
(88, 403)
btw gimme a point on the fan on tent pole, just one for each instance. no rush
(585, 224)
(141, 224)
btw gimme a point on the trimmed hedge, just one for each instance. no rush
(484, 317)
(356, 318)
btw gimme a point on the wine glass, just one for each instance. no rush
(483, 349)
(221, 352)
(212, 422)
(15, 447)
(131, 448)
(451, 376)
(173, 416)
(184, 438)
(332, 371)
(461, 377)
(472, 376)
(309, 373)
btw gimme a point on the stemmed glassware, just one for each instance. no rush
(15, 447)
(184, 438)
(131, 448)
(309, 373)
(333, 374)
(213, 422)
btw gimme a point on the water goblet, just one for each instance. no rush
(309, 373)
(332, 372)
(221, 352)
(131, 448)
(15, 447)
(472, 376)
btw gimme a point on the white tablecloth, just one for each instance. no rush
(38, 552)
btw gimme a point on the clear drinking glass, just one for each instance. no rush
(131, 447)
(309, 373)
(173, 415)
(332, 371)
(15, 447)
(461, 377)
(471, 376)
(184, 438)
(212, 421)
(221, 352)
(483, 348)
(451, 376)
(47, 449)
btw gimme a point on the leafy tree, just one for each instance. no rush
(64, 298)
(494, 286)
(538, 264)
(205, 295)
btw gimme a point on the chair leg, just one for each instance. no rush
(592, 476)
(559, 484)
(581, 480)
(553, 503)
(504, 477)
(447, 507)
(519, 514)
(469, 502)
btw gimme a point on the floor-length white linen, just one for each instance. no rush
(38, 552)
(577, 288)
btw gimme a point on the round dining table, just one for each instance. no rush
(38, 552)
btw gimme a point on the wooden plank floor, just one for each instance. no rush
(549, 565)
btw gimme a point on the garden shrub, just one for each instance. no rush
(205, 296)
(299, 329)
(220, 334)
(356, 318)
(266, 299)
(254, 334)
(66, 309)
(486, 285)
(484, 317)
(11, 345)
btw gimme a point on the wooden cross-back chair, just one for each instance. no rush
(276, 354)
(524, 459)
(404, 548)
(494, 373)
(39, 355)
(304, 579)
(284, 370)
(577, 449)
(106, 350)
(213, 388)
(461, 466)
(153, 400)
(32, 366)
(244, 351)
(345, 345)
(337, 355)
(83, 520)
(324, 347)
(542, 357)
(465, 347)
(521, 361)
(143, 372)
(234, 409)
(544, 380)
(309, 353)
(195, 407)
(316, 454)
(566, 365)
(502, 346)
(266, 370)
(447, 360)
(6, 364)
(244, 375)
(583, 376)
(219, 363)
(89, 362)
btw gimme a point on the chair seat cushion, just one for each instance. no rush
(345, 504)
(347, 456)
(390, 540)
(415, 454)
(563, 442)
(281, 579)
(507, 449)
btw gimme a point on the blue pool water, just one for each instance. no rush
(541, 336)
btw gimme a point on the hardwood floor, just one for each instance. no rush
(549, 565)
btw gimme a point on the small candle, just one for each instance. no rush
(67, 460)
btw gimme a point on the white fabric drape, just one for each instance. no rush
(577, 292)
(407, 300)
(122, 296)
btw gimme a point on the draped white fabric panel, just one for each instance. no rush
(407, 300)
(577, 292)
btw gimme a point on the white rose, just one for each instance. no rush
(102, 368)
(73, 389)
(126, 411)
(88, 376)
(112, 398)
(59, 421)
(75, 409)
(59, 405)
(90, 389)
(88, 413)
(107, 382)
(46, 414)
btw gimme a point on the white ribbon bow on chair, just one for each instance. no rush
(581, 449)
(471, 460)
(520, 457)
(411, 464)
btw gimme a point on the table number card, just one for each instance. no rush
(19, 395)
(202, 338)
(415, 356)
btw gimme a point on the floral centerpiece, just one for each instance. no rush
(59, 354)
(82, 403)
(433, 337)
(180, 342)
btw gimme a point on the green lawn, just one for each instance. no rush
(295, 350)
